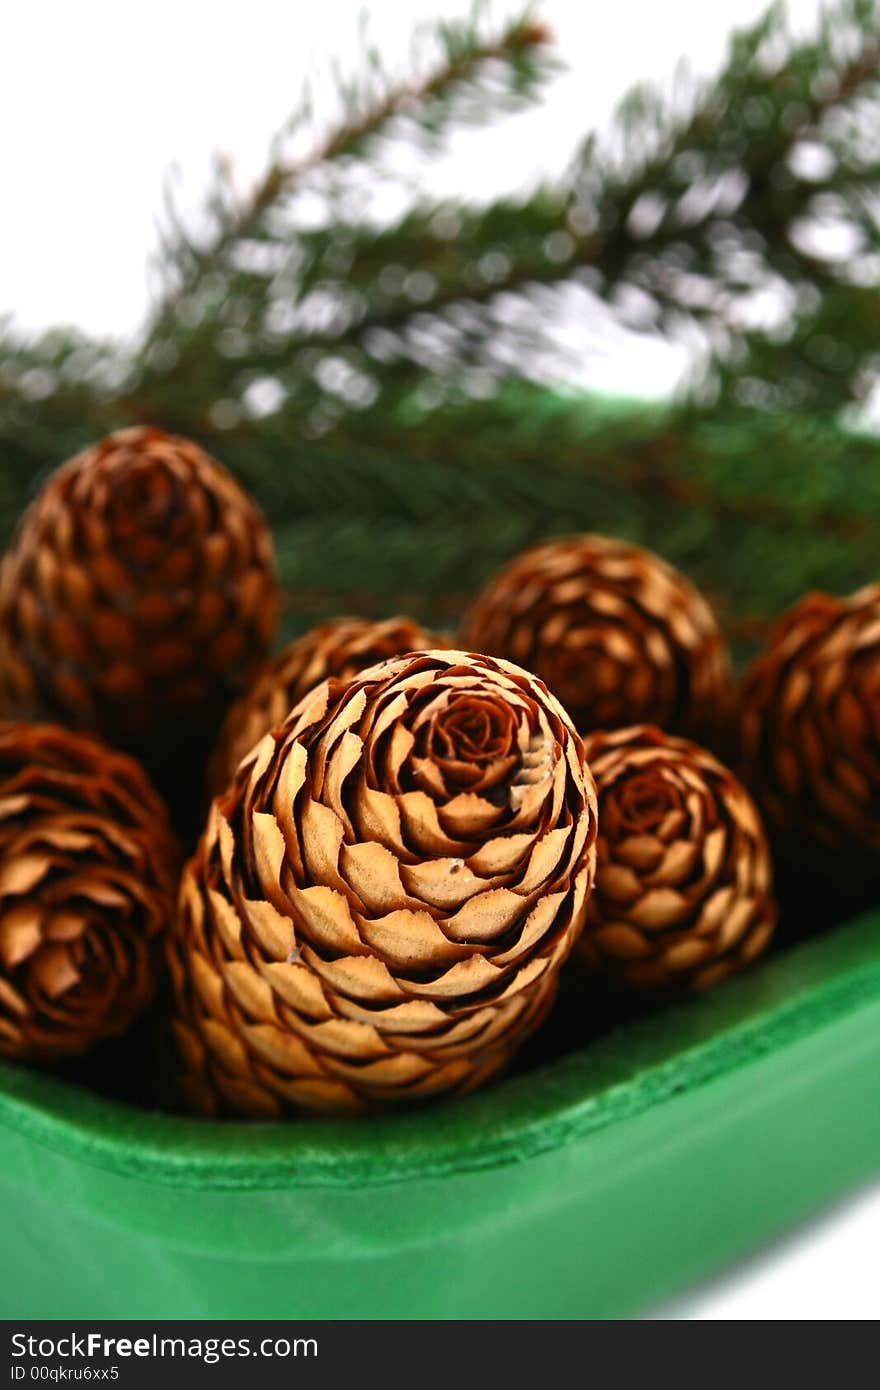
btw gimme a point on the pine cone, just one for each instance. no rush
(683, 877)
(809, 728)
(339, 648)
(617, 634)
(381, 901)
(138, 597)
(87, 886)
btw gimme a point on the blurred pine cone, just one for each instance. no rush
(683, 875)
(810, 733)
(88, 875)
(617, 634)
(380, 904)
(340, 648)
(137, 599)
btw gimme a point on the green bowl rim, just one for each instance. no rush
(791, 994)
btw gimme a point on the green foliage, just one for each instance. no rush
(370, 380)
(756, 507)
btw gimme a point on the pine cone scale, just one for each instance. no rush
(809, 729)
(340, 648)
(618, 635)
(137, 598)
(683, 882)
(87, 876)
(398, 962)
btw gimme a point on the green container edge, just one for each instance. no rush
(591, 1187)
(790, 996)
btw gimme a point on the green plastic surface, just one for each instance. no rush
(587, 1188)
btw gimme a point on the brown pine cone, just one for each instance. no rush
(88, 876)
(683, 877)
(381, 901)
(340, 648)
(810, 732)
(138, 597)
(617, 634)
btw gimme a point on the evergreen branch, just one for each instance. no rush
(712, 216)
(371, 107)
(696, 211)
(366, 516)
(329, 367)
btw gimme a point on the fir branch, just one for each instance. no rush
(329, 368)
(695, 211)
(371, 106)
(719, 212)
(756, 507)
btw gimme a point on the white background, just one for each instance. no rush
(98, 99)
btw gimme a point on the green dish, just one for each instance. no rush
(591, 1186)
